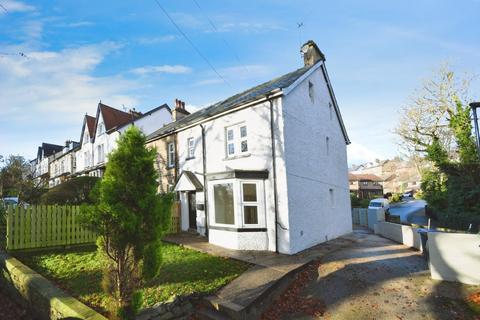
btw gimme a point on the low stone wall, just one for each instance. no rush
(399, 233)
(38, 295)
(454, 257)
(179, 308)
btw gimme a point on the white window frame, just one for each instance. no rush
(100, 153)
(85, 137)
(259, 203)
(190, 148)
(236, 140)
(238, 203)
(101, 129)
(171, 154)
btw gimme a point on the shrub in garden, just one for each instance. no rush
(73, 192)
(129, 218)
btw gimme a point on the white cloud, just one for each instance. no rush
(155, 40)
(56, 88)
(10, 6)
(78, 24)
(172, 69)
(358, 153)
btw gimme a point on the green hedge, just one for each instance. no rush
(72, 192)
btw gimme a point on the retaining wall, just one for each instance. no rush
(39, 296)
(399, 233)
(454, 257)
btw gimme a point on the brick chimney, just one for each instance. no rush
(311, 54)
(179, 111)
(135, 114)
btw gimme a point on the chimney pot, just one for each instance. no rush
(183, 105)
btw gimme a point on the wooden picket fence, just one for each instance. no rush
(45, 226)
(52, 226)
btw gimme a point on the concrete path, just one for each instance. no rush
(375, 278)
(247, 295)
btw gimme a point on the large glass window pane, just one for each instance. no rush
(223, 194)
(243, 131)
(249, 192)
(231, 148)
(230, 134)
(244, 146)
(251, 214)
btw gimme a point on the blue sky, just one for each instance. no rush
(127, 53)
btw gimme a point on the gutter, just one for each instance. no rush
(274, 164)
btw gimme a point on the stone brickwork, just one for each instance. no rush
(167, 176)
(178, 308)
(38, 295)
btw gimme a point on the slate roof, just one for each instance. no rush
(113, 118)
(363, 177)
(47, 149)
(233, 101)
(90, 124)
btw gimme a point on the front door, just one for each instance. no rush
(192, 211)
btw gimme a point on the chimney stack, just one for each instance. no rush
(179, 111)
(311, 54)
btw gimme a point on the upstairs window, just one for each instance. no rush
(332, 198)
(365, 183)
(327, 145)
(311, 92)
(86, 138)
(86, 159)
(100, 153)
(236, 140)
(191, 148)
(101, 129)
(171, 154)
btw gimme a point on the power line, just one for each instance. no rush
(216, 30)
(191, 43)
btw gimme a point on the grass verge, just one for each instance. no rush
(183, 272)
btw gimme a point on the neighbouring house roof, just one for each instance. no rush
(246, 96)
(113, 118)
(90, 124)
(48, 149)
(363, 177)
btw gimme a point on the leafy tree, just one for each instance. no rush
(453, 188)
(130, 218)
(16, 180)
(73, 192)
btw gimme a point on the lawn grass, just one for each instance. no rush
(183, 272)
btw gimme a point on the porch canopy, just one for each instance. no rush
(188, 181)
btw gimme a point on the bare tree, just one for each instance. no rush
(426, 116)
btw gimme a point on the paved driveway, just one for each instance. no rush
(379, 279)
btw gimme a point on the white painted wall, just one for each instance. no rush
(311, 171)
(257, 119)
(454, 257)
(151, 122)
(80, 154)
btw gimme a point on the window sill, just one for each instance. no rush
(235, 229)
(191, 158)
(246, 155)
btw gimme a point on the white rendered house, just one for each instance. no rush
(100, 134)
(266, 169)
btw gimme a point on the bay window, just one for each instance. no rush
(237, 204)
